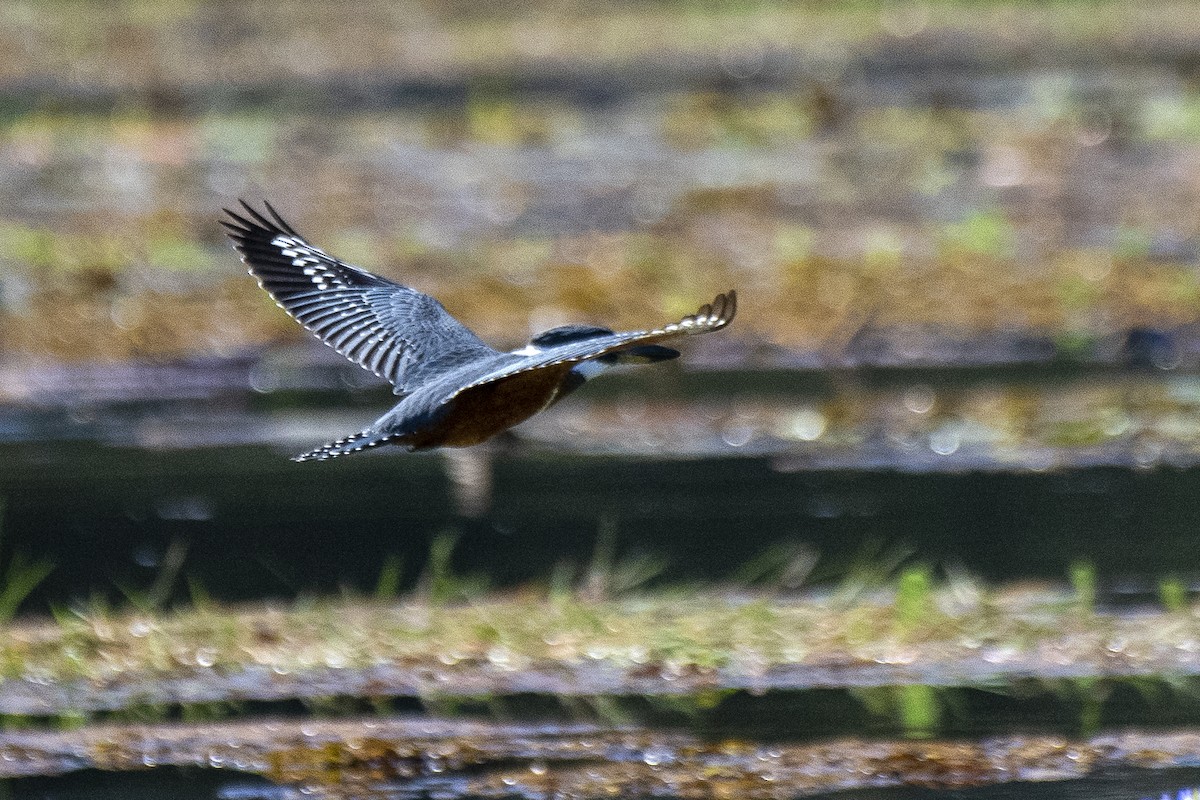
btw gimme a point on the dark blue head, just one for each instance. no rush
(568, 333)
(642, 354)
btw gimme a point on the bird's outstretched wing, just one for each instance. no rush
(710, 317)
(400, 334)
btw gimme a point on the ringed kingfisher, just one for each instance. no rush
(455, 390)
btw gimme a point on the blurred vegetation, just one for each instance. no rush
(903, 653)
(20, 574)
(516, 162)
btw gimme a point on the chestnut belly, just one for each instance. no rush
(478, 414)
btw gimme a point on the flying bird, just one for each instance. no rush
(455, 390)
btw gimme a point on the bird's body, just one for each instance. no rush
(455, 390)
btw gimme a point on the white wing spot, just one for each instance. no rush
(527, 350)
(590, 369)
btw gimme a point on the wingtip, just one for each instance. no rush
(251, 219)
(229, 212)
(279, 220)
(722, 309)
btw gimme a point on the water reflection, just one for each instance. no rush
(193, 784)
(184, 784)
(249, 523)
(1121, 785)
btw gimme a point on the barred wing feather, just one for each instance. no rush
(399, 334)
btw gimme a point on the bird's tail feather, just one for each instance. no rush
(351, 444)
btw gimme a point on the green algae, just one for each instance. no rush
(453, 759)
